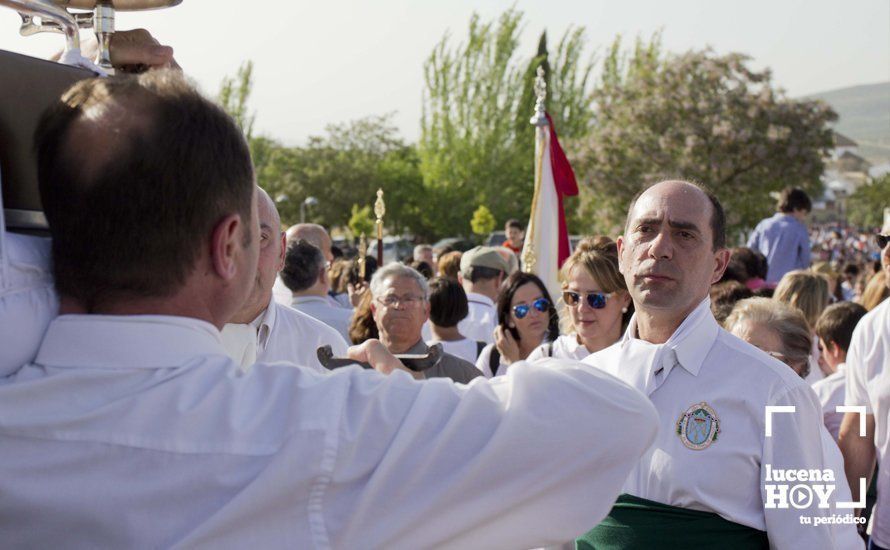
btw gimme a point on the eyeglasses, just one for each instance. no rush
(408, 300)
(596, 300)
(883, 240)
(541, 304)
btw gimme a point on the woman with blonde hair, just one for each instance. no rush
(808, 292)
(876, 291)
(598, 305)
(776, 328)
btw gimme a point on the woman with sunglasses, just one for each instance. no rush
(596, 298)
(526, 318)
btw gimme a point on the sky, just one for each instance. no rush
(320, 63)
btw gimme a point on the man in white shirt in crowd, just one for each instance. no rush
(137, 404)
(265, 331)
(705, 481)
(868, 385)
(482, 270)
(28, 301)
(305, 273)
(835, 330)
(400, 306)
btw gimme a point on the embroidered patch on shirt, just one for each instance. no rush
(698, 427)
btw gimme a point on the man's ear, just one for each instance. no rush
(282, 251)
(721, 260)
(225, 242)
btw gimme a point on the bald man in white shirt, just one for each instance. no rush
(265, 331)
(133, 428)
(709, 479)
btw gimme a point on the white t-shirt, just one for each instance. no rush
(465, 348)
(704, 368)
(564, 347)
(482, 319)
(868, 384)
(182, 449)
(830, 391)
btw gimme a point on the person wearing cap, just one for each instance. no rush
(482, 270)
(868, 386)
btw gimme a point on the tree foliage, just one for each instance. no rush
(362, 221)
(865, 207)
(476, 143)
(483, 221)
(699, 116)
(234, 93)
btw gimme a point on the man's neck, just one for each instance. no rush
(177, 306)
(398, 345)
(657, 327)
(248, 314)
(445, 334)
(482, 290)
(317, 290)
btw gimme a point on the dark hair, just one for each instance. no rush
(423, 268)
(513, 223)
(752, 261)
(448, 302)
(303, 263)
(851, 269)
(724, 296)
(130, 218)
(718, 215)
(837, 322)
(479, 273)
(792, 198)
(505, 296)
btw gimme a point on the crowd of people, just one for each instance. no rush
(161, 383)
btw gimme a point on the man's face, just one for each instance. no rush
(270, 257)
(247, 268)
(427, 256)
(514, 235)
(400, 310)
(666, 255)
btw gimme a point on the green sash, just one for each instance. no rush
(639, 523)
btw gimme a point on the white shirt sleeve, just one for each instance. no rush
(443, 465)
(796, 443)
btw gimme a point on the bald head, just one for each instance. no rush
(268, 213)
(313, 234)
(691, 194)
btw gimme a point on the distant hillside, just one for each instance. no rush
(864, 113)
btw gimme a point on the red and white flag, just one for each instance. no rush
(547, 239)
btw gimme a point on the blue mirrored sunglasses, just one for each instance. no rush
(541, 304)
(596, 300)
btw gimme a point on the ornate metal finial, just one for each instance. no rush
(529, 258)
(539, 118)
(362, 252)
(379, 211)
(379, 206)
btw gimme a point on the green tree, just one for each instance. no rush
(865, 207)
(234, 93)
(483, 221)
(362, 221)
(476, 144)
(699, 116)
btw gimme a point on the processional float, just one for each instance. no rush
(28, 85)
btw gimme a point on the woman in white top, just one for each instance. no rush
(448, 306)
(596, 298)
(526, 318)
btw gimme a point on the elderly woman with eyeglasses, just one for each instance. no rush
(526, 318)
(598, 305)
(775, 327)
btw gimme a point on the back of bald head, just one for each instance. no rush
(134, 174)
(312, 233)
(717, 214)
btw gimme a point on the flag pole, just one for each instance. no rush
(539, 121)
